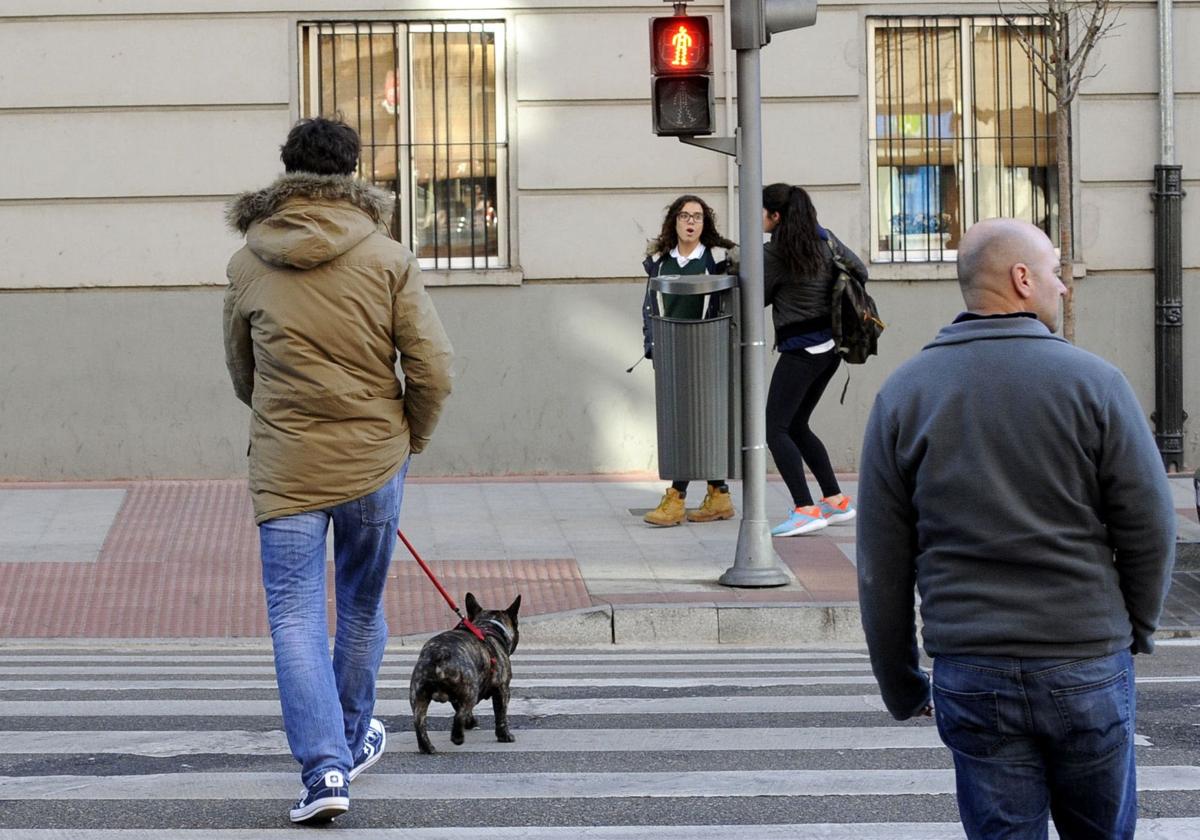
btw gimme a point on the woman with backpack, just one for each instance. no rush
(688, 244)
(798, 278)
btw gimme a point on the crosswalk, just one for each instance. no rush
(183, 741)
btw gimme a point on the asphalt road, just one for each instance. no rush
(170, 741)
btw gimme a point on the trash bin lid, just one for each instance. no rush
(692, 284)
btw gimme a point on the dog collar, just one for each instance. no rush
(504, 632)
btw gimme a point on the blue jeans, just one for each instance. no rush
(326, 704)
(1040, 737)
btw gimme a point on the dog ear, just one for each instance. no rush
(513, 608)
(473, 608)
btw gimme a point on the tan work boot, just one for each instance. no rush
(716, 505)
(669, 510)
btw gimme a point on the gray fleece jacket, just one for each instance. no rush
(1013, 478)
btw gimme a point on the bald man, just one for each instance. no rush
(1013, 478)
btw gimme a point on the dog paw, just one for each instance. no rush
(426, 748)
(470, 722)
(505, 737)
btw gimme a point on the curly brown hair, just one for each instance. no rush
(667, 238)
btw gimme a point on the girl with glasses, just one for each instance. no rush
(689, 243)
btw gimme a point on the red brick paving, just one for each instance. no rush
(181, 560)
(820, 567)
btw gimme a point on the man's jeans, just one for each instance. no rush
(327, 705)
(1033, 737)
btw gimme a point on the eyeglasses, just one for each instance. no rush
(690, 217)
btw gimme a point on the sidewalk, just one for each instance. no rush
(179, 559)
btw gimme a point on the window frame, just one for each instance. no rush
(965, 146)
(448, 270)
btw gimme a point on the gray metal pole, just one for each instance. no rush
(1169, 415)
(756, 563)
(1166, 83)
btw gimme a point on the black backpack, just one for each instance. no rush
(856, 321)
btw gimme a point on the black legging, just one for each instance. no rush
(797, 384)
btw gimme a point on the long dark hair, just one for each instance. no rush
(797, 236)
(667, 239)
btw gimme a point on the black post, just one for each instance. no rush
(1168, 315)
(1196, 487)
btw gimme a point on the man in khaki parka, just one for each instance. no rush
(320, 306)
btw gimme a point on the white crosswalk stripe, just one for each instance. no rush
(542, 785)
(611, 745)
(241, 742)
(1153, 829)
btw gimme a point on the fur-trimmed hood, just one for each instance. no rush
(250, 207)
(304, 220)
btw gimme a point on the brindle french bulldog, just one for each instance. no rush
(456, 667)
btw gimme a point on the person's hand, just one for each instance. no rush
(927, 711)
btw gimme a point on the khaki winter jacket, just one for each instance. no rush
(320, 303)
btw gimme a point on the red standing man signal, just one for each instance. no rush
(682, 84)
(682, 42)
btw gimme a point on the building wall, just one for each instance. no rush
(128, 136)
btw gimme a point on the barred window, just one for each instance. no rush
(961, 128)
(429, 100)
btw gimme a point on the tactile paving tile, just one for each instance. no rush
(820, 567)
(181, 560)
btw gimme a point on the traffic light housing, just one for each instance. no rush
(752, 22)
(682, 100)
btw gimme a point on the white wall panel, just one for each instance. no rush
(1114, 318)
(167, 61)
(590, 55)
(1115, 227)
(1119, 138)
(1187, 58)
(128, 243)
(827, 59)
(616, 227)
(1189, 223)
(311, 8)
(1127, 56)
(596, 146)
(814, 142)
(844, 211)
(598, 234)
(140, 153)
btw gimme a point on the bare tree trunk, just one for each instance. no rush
(1064, 224)
(1065, 243)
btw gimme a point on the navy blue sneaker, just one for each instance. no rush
(372, 749)
(324, 800)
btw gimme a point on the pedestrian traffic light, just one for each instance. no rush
(681, 85)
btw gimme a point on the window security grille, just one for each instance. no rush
(961, 128)
(429, 100)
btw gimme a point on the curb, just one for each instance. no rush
(1187, 556)
(706, 623)
(1187, 546)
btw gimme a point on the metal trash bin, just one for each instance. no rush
(697, 379)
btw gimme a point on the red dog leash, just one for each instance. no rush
(466, 621)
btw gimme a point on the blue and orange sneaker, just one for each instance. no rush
(802, 520)
(835, 512)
